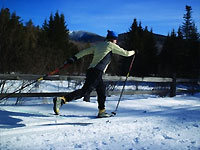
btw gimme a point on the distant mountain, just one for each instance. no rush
(160, 39)
(88, 37)
(84, 36)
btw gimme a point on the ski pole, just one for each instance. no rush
(37, 80)
(115, 112)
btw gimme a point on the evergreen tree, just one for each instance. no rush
(11, 41)
(191, 44)
(4, 36)
(29, 49)
(180, 53)
(54, 40)
(32, 53)
(189, 29)
(142, 40)
(172, 55)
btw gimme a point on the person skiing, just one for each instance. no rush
(102, 53)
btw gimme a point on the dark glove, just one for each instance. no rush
(70, 60)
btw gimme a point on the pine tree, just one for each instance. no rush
(32, 53)
(4, 36)
(30, 49)
(142, 40)
(189, 29)
(54, 38)
(180, 54)
(11, 41)
(171, 55)
(191, 46)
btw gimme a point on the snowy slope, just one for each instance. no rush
(143, 122)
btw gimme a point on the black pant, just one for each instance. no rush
(93, 81)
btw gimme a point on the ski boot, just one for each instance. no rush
(57, 103)
(102, 114)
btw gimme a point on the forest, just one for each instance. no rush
(29, 49)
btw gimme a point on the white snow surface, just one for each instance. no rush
(142, 122)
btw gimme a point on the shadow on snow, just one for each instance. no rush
(8, 119)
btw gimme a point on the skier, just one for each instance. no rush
(102, 53)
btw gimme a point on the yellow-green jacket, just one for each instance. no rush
(102, 53)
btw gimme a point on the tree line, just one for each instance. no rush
(30, 49)
(183, 47)
(26, 48)
(180, 53)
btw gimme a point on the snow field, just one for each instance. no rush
(142, 122)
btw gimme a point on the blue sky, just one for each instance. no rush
(99, 15)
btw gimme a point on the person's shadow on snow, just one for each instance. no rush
(8, 120)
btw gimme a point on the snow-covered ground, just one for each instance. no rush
(143, 122)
